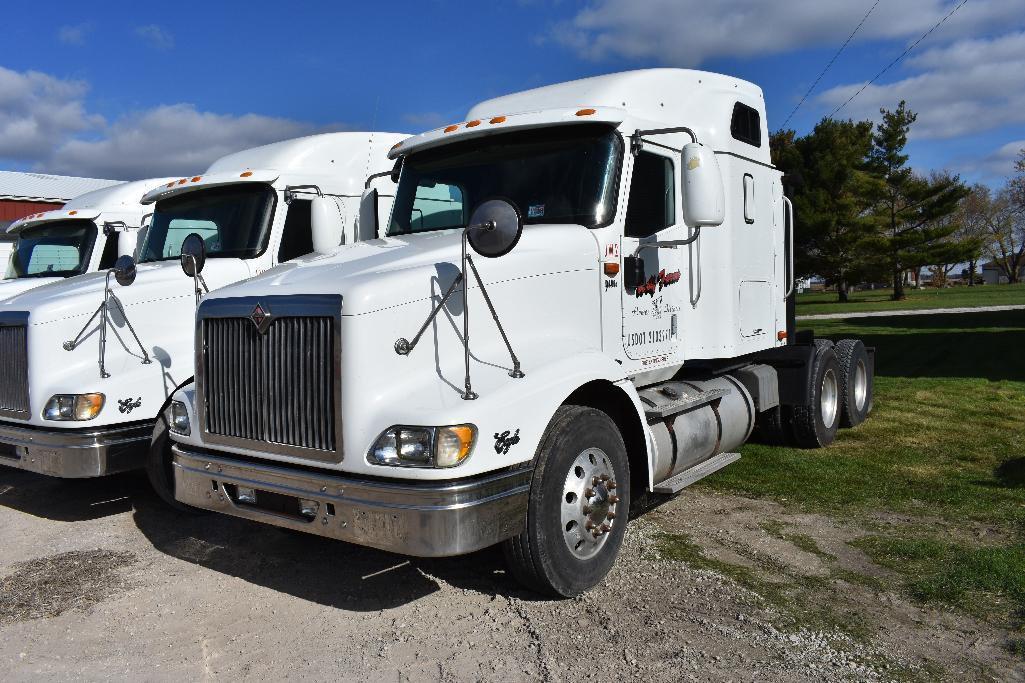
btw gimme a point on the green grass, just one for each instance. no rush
(811, 303)
(944, 447)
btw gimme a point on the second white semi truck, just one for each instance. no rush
(583, 299)
(88, 364)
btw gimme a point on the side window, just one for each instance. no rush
(109, 255)
(437, 207)
(652, 204)
(180, 228)
(746, 125)
(297, 237)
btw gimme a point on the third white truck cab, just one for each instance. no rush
(84, 236)
(88, 363)
(581, 300)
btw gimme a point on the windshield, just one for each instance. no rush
(234, 222)
(561, 174)
(57, 249)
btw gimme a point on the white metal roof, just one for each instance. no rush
(43, 187)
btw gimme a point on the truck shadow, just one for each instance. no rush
(325, 571)
(68, 500)
(970, 345)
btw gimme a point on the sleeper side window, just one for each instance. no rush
(297, 236)
(109, 255)
(652, 204)
(746, 125)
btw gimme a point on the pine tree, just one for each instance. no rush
(828, 179)
(910, 208)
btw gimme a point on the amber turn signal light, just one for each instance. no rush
(611, 269)
(781, 335)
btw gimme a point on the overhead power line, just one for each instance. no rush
(823, 73)
(900, 57)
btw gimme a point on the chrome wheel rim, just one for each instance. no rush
(589, 503)
(860, 386)
(828, 398)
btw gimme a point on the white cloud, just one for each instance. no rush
(689, 32)
(968, 87)
(37, 109)
(169, 140)
(45, 126)
(74, 35)
(999, 164)
(155, 36)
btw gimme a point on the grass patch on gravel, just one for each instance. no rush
(50, 586)
(811, 303)
(936, 476)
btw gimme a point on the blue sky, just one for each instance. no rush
(129, 90)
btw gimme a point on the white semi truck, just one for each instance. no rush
(583, 299)
(88, 364)
(86, 235)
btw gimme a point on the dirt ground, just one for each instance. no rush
(98, 581)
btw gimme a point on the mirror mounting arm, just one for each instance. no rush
(670, 244)
(636, 140)
(292, 190)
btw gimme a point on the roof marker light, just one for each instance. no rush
(497, 119)
(245, 174)
(171, 184)
(197, 178)
(473, 124)
(397, 145)
(449, 129)
(586, 112)
(72, 213)
(183, 181)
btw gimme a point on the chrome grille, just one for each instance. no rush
(275, 387)
(14, 371)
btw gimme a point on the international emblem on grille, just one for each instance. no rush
(261, 318)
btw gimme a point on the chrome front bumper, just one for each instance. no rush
(421, 518)
(75, 453)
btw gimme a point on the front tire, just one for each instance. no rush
(577, 508)
(159, 468)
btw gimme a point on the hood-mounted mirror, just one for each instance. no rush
(193, 254)
(495, 228)
(193, 258)
(124, 270)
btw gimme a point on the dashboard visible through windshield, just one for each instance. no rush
(233, 221)
(559, 174)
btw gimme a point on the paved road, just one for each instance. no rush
(916, 311)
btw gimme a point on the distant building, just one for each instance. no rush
(22, 194)
(992, 274)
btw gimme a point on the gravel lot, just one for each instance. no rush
(98, 581)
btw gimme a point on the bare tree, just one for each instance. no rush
(973, 227)
(1005, 222)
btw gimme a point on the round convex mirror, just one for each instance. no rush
(124, 270)
(193, 255)
(495, 228)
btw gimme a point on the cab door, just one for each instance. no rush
(651, 312)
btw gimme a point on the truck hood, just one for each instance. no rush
(391, 271)
(15, 286)
(80, 296)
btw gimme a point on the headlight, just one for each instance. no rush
(423, 446)
(77, 407)
(178, 418)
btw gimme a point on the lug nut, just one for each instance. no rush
(596, 533)
(613, 499)
(587, 509)
(605, 528)
(612, 485)
(594, 481)
(604, 477)
(590, 525)
(611, 515)
(588, 493)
